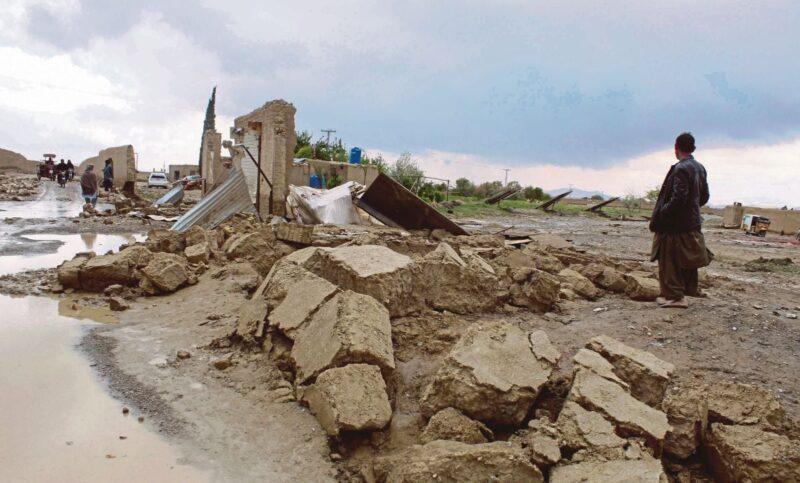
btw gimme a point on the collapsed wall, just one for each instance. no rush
(397, 344)
(268, 133)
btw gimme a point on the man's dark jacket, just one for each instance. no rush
(684, 191)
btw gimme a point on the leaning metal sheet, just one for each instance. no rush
(226, 200)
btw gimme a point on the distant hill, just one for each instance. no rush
(9, 160)
(578, 193)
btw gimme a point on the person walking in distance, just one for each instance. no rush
(678, 242)
(89, 187)
(108, 175)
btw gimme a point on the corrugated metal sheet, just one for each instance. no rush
(173, 196)
(229, 198)
(248, 166)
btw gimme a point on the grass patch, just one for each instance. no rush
(472, 207)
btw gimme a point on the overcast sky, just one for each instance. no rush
(564, 92)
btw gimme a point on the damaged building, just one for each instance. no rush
(262, 146)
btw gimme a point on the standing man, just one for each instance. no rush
(678, 242)
(89, 188)
(108, 175)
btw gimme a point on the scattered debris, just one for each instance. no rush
(311, 206)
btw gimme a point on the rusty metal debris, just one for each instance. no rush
(547, 204)
(392, 204)
(502, 195)
(599, 206)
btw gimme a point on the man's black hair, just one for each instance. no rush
(685, 142)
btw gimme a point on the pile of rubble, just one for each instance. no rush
(340, 313)
(18, 188)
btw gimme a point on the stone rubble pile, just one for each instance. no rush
(330, 309)
(18, 188)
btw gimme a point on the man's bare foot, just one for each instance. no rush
(676, 304)
(661, 300)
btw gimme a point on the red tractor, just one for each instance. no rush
(48, 168)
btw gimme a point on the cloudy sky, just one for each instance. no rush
(560, 92)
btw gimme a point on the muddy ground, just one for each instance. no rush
(239, 424)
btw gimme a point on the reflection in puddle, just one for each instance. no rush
(58, 423)
(72, 306)
(72, 244)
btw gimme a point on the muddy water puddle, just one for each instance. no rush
(58, 423)
(69, 245)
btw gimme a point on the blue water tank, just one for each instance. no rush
(315, 181)
(355, 156)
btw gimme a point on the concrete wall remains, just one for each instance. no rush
(11, 161)
(178, 171)
(123, 160)
(269, 134)
(214, 170)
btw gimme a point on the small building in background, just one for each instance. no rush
(178, 171)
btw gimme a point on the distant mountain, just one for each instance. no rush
(578, 193)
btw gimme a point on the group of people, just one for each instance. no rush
(90, 186)
(64, 171)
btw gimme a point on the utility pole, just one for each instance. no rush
(328, 142)
(506, 170)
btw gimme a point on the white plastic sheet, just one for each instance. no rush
(313, 206)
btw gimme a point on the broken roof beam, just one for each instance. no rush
(600, 205)
(394, 205)
(547, 204)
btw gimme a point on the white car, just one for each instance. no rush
(158, 180)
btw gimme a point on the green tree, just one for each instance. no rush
(406, 171)
(304, 152)
(303, 145)
(209, 122)
(376, 161)
(464, 187)
(652, 195)
(534, 194)
(487, 189)
(631, 203)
